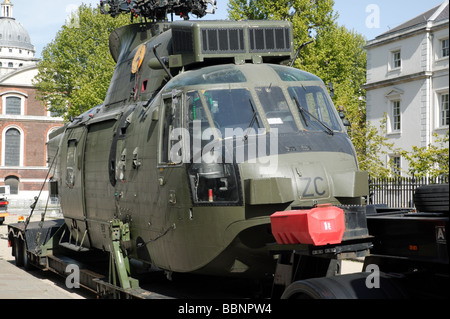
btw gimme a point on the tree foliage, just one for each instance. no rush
(432, 161)
(76, 67)
(373, 148)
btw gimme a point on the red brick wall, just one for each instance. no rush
(35, 138)
(32, 105)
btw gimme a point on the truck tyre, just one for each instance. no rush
(352, 286)
(18, 252)
(432, 198)
(26, 261)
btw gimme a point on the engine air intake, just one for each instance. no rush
(242, 41)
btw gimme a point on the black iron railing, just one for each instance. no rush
(398, 192)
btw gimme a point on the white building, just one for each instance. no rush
(408, 81)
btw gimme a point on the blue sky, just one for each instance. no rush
(44, 18)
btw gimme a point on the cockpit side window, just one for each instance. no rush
(71, 162)
(171, 120)
(314, 100)
(195, 108)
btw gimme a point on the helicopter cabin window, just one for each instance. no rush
(293, 75)
(71, 162)
(276, 108)
(221, 74)
(315, 102)
(170, 121)
(233, 112)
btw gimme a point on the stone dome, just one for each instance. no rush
(14, 35)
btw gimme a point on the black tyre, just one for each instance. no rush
(352, 286)
(21, 254)
(432, 198)
(18, 252)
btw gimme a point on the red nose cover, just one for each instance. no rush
(319, 226)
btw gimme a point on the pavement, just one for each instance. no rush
(16, 283)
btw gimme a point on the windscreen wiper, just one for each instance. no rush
(303, 111)
(254, 118)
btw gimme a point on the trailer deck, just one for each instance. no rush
(409, 248)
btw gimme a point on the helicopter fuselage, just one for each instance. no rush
(196, 151)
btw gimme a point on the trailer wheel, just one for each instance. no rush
(432, 198)
(26, 261)
(21, 255)
(18, 252)
(352, 286)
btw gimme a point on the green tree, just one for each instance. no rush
(432, 160)
(307, 16)
(76, 67)
(371, 147)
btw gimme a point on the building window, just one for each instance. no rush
(443, 110)
(13, 183)
(51, 113)
(395, 163)
(444, 48)
(10, 65)
(396, 116)
(12, 147)
(396, 59)
(13, 105)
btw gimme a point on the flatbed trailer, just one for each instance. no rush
(408, 260)
(39, 245)
(405, 256)
(413, 247)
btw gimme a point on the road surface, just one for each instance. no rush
(16, 283)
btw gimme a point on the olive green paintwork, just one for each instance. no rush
(111, 162)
